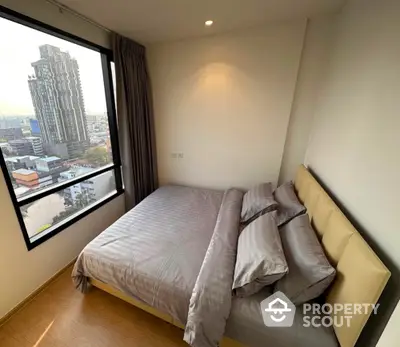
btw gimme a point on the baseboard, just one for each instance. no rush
(31, 296)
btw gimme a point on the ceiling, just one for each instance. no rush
(159, 20)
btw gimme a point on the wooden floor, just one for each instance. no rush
(61, 316)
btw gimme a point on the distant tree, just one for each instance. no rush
(97, 156)
(65, 214)
(61, 216)
(81, 201)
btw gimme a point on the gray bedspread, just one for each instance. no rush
(176, 252)
(155, 251)
(210, 303)
(245, 324)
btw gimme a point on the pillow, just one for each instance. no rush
(289, 206)
(309, 270)
(260, 258)
(257, 201)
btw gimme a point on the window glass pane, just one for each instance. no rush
(114, 82)
(53, 115)
(113, 77)
(43, 215)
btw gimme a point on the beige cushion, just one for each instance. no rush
(308, 190)
(360, 275)
(302, 182)
(360, 278)
(322, 212)
(311, 201)
(337, 235)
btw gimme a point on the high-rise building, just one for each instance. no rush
(57, 98)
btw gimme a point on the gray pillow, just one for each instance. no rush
(309, 270)
(257, 201)
(260, 258)
(289, 205)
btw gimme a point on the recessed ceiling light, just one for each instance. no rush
(209, 23)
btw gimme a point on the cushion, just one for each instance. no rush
(289, 205)
(336, 236)
(310, 273)
(260, 258)
(360, 275)
(361, 278)
(257, 201)
(321, 212)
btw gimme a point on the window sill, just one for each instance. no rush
(47, 234)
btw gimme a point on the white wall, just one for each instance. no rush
(355, 138)
(22, 272)
(391, 335)
(224, 102)
(314, 60)
(355, 142)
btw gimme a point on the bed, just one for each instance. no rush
(173, 254)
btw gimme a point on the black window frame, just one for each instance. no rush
(106, 59)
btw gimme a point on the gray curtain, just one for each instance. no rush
(135, 120)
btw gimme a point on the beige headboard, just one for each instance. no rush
(361, 276)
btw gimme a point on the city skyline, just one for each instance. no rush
(54, 125)
(20, 47)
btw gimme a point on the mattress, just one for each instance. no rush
(154, 252)
(245, 324)
(174, 252)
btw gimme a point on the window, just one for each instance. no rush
(58, 130)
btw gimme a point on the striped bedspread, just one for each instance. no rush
(154, 252)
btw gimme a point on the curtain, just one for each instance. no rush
(135, 120)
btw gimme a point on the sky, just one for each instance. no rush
(19, 47)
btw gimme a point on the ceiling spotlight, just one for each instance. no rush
(209, 23)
